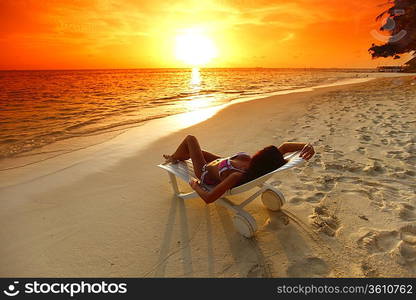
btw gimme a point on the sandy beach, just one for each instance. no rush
(108, 211)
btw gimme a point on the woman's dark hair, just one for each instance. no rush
(263, 162)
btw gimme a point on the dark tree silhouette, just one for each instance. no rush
(401, 26)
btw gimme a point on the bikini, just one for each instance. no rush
(224, 164)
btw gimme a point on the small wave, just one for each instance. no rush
(79, 125)
(54, 101)
(165, 98)
(233, 92)
(100, 94)
(9, 141)
(52, 133)
(109, 114)
(157, 102)
(208, 91)
(252, 93)
(184, 94)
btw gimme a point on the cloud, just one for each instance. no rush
(67, 29)
(288, 37)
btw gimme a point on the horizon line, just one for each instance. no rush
(176, 68)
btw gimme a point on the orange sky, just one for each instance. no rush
(68, 34)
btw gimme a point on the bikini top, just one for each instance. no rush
(225, 163)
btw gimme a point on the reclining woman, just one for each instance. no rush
(226, 173)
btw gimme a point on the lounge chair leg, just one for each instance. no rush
(223, 201)
(251, 198)
(174, 184)
(272, 198)
(243, 221)
(245, 224)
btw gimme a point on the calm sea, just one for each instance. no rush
(41, 107)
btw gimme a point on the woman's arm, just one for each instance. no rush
(307, 150)
(291, 147)
(219, 190)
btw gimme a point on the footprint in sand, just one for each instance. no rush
(378, 241)
(325, 183)
(374, 168)
(395, 156)
(349, 179)
(338, 154)
(410, 173)
(410, 159)
(362, 129)
(362, 150)
(324, 221)
(328, 149)
(296, 200)
(366, 138)
(385, 199)
(410, 147)
(384, 141)
(408, 234)
(316, 163)
(401, 243)
(308, 267)
(344, 165)
(406, 248)
(315, 198)
(407, 212)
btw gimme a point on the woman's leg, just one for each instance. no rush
(190, 149)
(209, 157)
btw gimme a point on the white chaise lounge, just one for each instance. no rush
(271, 197)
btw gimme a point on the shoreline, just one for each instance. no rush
(63, 146)
(55, 123)
(108, 210)
(164, 126)
(60, 147)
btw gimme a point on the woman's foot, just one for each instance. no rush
(170, 159)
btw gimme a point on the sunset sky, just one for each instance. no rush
(77, 34)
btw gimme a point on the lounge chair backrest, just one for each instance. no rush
(293, 160)
(185, 171)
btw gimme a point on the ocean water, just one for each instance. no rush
(38, 108)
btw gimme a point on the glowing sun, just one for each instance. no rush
(194, 48)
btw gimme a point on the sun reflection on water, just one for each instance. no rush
(195, 78)
(199, 106)
(197, 101)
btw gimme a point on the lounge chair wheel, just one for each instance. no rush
(273, 200)
(245, 224)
